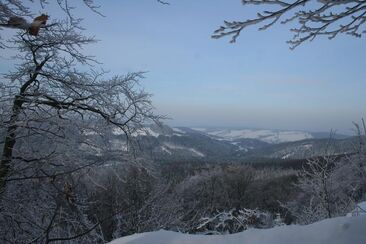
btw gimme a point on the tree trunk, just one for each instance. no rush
(10, 137)
(9, 142)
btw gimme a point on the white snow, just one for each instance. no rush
(198, 153)
(164, 149)
(360, 209)
(270, 136)
(89, 132)
(117, 131)
(142, 132)
(199, 129)
(342, 230)
(119, 145)
(146, 132)
(307, 146)
(178, 130)
(194, 151)
(288, 155)
(243, 149)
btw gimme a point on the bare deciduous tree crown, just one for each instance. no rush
(312, 18)
(51, 97)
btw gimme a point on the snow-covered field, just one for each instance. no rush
(270, 136)
(341, 230)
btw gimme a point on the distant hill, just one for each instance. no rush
(163, 143)
(269, 136)
(325, 135)
(266, 135)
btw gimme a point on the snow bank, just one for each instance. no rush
(342, 230)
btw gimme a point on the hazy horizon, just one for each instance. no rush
(350, 132)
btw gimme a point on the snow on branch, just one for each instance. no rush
(312, 19)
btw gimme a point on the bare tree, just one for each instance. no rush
(21, 13)
(313, 19)
(327, 189)
(48, 80)
(47, 84)
(51, 102)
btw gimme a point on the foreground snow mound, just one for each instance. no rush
(342, 230)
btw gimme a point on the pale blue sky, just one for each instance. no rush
(257, 82)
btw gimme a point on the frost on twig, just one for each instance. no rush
(311, 19)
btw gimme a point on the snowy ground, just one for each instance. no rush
(342, 230)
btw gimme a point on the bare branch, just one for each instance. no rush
(323, 18)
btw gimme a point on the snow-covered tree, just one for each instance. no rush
(53, 97)
(312, 19)
(235, 220)
(327, 188)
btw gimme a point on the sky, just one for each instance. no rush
(258, 82)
